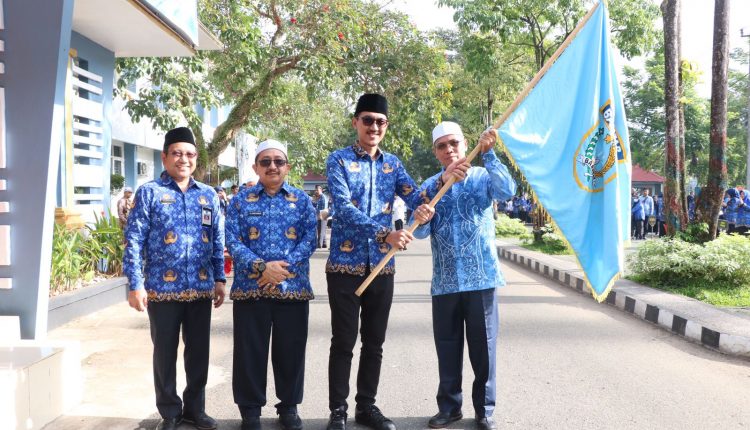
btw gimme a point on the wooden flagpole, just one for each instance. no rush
(475, 151)
(413, 226)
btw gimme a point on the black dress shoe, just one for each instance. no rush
(442, 419)
(290, 421)
(486, 423)
(169, 423)
(200, 420)
(250, 423)
(371, 416)
(337, 421)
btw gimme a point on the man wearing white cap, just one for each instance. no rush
(124, 205)
(270, 233)
(466, 270)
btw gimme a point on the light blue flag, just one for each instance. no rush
(569, 138)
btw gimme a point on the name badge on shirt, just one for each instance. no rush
(255, 214)
(206, 216)
(167, 199)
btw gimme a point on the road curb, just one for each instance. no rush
(691, 319)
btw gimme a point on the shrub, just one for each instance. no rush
(672, 262)
(108, 242)
(506, 226)
(69, 264)
(77, 254)
(551, 242)
(116, 182)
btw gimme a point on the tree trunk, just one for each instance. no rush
(672, 196)
(709, 201)
(682, 166)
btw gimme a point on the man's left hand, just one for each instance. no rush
(488, 139)
(220, 292)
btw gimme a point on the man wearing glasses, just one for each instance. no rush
(174, 261)
(271, 236)
(466, 271)
(363, 181)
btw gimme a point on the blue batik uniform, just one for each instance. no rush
(464, 255)
(270, 228)
(732, 204)
(743, 211)
(264, 227)
(174, 241)
(465, 273)
(362, 191)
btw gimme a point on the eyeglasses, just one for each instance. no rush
(266, 162)
(188, 154)
(369, 121)
(443, 145)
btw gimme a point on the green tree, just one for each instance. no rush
(341, 47)
(643, 92)
(737, 119)
(541, 26)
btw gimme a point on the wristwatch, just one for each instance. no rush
(259, 266)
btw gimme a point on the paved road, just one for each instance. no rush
(564, 362)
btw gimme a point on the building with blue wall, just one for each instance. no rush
(56, 122)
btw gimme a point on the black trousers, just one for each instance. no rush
(166, 319)
(476, 313)
(255, 323)
(347, 310)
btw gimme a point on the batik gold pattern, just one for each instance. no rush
(166, 251)
(179, 296)
(281, 227)
(363, 190)
(170, 238)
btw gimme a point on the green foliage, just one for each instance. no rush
(715, 271)
(116, 182)
(644, 103)
(694, 233)
(69, 264)
(540, 26)
(106, 240)
(77, 254)
(285, 62)
(551, 241)
(506, 226)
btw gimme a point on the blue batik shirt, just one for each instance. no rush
(363, 191)
(271, 228)
(464, 255)
(174, 241)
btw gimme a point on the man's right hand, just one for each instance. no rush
(399, 238)
(275, 273)
(138, 300)
(458, 169)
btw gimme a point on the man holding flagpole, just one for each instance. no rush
(363, 181)
(466, 270)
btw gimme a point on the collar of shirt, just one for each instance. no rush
(167, 180)
(258, 188)
(361, 153)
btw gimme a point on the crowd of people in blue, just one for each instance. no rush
(176, 235)
(520, 207)
(647, 213)
(736, 210)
